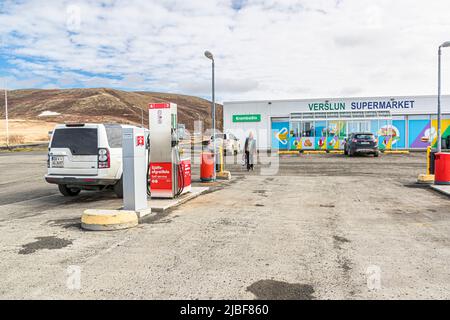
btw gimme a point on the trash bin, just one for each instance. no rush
(442, 168)
(432, 156)
(207, 166)
(444, 143)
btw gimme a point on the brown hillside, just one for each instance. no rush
(103, 105)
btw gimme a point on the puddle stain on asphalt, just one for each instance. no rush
(340, 239)
(262, 193)
(279, 290)
(50, 243)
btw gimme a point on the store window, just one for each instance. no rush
(307, 129)
(295, 130)
(358, 126)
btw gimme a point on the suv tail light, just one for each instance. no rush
(104, 160)
(48, 160)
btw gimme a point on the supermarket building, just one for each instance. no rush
(407, 122)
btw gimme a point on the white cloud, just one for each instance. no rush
(263, 48)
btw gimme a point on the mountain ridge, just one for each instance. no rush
(103, 105)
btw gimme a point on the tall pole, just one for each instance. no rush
(6, 114)
(210, 56)
(439, 142)
(214, 117)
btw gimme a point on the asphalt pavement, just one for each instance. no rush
(307, 227)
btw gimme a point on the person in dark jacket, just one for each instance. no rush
(250, 151)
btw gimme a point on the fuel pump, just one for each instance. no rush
(168, 174)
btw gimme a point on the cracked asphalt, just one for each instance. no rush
(317, 227)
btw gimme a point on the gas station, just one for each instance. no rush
(156, 175)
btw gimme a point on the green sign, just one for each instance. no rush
(247, 118)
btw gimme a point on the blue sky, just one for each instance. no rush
(264, 49)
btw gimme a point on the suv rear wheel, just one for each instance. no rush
(68, 192)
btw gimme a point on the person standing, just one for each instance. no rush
(250, 151)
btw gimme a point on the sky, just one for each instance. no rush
(263, 49)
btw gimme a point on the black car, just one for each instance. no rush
(362, 143)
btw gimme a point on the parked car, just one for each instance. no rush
(361, 143)
(228, 141)
(85, 157)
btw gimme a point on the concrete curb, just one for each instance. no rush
(106, 220)
(163, 205)
(396, 152)
(443, 189)
(314, 152)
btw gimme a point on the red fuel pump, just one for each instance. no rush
(169, 175)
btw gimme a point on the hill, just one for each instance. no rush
(43, 108)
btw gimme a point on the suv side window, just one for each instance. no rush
(114, 134)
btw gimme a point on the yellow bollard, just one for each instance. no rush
(221, 158)
(427, 178)
(224, 175)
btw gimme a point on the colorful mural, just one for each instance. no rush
(305, 143)
(337, 131)
(420, 133)
(280, 135)
(390, 134)
(320, 133)
(445, 130)
(423, 133)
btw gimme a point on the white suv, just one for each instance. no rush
(85, 157)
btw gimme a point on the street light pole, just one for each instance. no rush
(210, 56)
(439, 142)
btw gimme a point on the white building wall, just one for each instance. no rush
(423, 105)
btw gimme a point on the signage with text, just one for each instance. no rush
(247, 118)
(363, 105)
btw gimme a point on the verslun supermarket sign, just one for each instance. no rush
(364, 105)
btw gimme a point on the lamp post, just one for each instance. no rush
(439, 142)
(210, 56)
